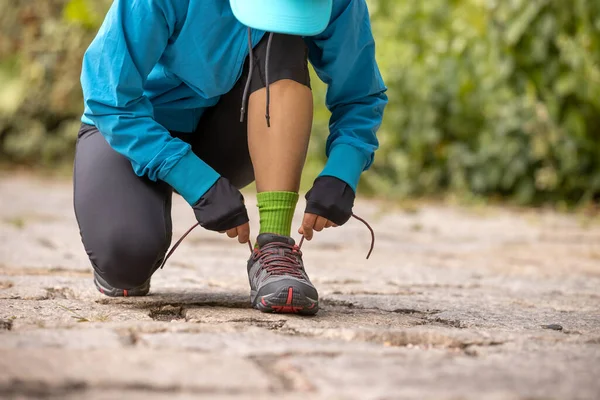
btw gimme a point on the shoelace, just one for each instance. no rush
(299, 246)
(276, 263)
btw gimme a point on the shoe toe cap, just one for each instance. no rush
(300, 288)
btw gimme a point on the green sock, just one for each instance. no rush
(276, 210)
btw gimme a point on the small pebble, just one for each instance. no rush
(554, 327)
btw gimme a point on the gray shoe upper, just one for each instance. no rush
(277, 259)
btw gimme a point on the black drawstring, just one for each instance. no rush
(249, 79)
(267, 116)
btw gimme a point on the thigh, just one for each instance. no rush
(221, 140)
(122, 217)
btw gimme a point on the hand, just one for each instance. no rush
(328, 204)
(242, 232)
(222, 209)
(314, 222)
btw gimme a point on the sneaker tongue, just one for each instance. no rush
(265, 238)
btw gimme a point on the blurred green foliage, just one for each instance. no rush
(497, 98)
(41, 45)
(490, 97)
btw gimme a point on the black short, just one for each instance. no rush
(125, 220)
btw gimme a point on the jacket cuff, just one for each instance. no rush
(191, 177)
(347, 163)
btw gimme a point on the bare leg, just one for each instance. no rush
(278, 153)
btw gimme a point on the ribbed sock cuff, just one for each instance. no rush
(276, 211)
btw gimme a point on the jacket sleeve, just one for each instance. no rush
(344, 58)
(115, 68)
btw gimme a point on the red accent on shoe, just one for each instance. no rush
(262, 300)
(101, 290)
(286, 309)
(312, 306)
(290, 296)
(124, 293)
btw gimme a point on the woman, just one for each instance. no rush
(204, 97)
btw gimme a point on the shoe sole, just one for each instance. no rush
(114, 292)
(287, 300)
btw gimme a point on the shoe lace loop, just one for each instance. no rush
(368, 227)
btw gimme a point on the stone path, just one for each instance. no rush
(454, 304)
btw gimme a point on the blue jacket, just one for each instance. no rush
(156, 65)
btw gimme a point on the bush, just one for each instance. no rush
(41, 46)
(495, 98)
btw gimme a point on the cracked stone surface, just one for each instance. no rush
(480, 303)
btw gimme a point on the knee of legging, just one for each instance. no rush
(127, 261)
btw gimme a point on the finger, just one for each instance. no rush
(243, 233)
(307, 225)
(232, 232)
(329, 224)
(320, 224)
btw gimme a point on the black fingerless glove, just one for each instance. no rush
(331, 198)
(221, 208)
